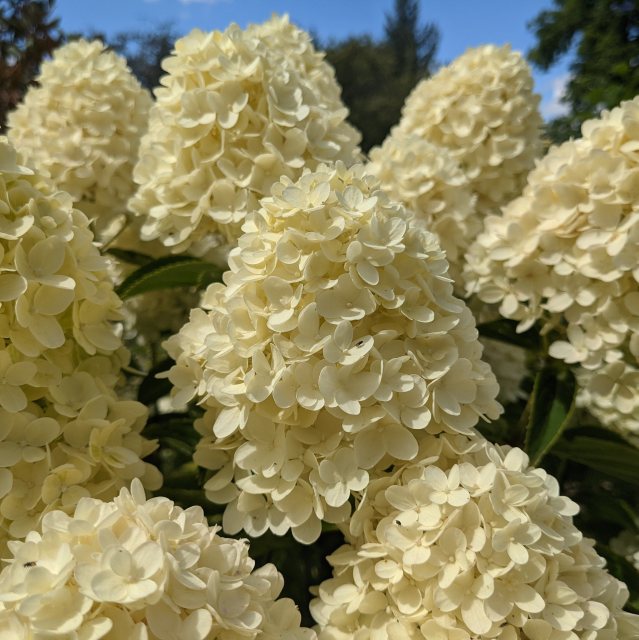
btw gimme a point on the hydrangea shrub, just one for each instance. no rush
(431, 184)
(332, 385)
(482, 109)
(64, 433)
(139, 569)
(81, 126)
(333, 344)
(564, 254)
(237, 110)
(469, 542)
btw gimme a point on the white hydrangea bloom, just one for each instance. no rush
(81, 125)
(482, 109)
(64, 433)
(333, 344)
(141, 570)
(626, 544)
(509, 364)
(469, 543)
(611, 395)
(430, 183)
(565, 253)
(237, 110)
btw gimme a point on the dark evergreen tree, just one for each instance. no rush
(413, 47)
(28, 33)
(364, 69)
(376, 77)
(603, 35)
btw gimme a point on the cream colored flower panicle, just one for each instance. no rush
(81, 125)
(565, 252)
(137, 569)
(427, 180)
(626, 544)
(334, 343)
(509, 364)
(611, 394)
(482, 109)
(237, 110)
(63, 431)
(469, 543)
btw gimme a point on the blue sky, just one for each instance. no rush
(463, 23)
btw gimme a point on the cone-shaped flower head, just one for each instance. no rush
(237, 110)
(469, 544)
(334, 343)
(140, 569)
(565, 252)
(81, 125)
(63, 431)
(482, 109)
(431, 184)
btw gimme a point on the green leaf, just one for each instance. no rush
(168, 273)
(592, 431)
(616, 459)
(185, 476)
(151, 388)
(171, 424)
(180, 446)
(506, 331)
(610, 509)
(553, 406)
(131, 257)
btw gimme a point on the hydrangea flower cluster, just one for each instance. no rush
(141, 570)
(469, 543)
(334, 343)
(64, 433)
(430, 183)
(565, 253)
(82, 126)
(610, 394)
(510, 366)
(482, 109)
(626, 544)
(237, 110)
